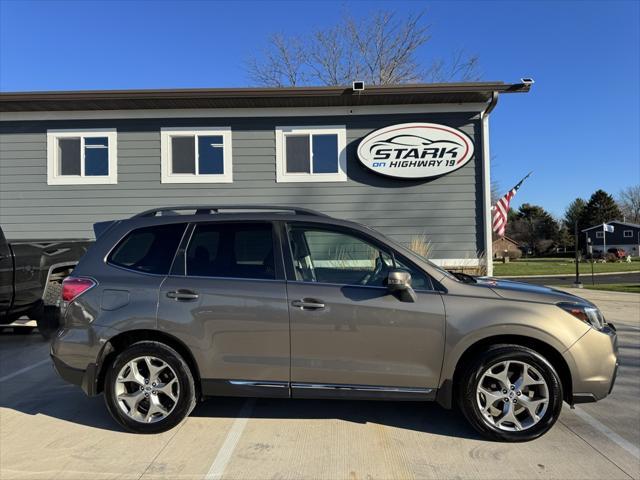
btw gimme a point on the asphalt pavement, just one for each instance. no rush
(585, 279)
(49, 429)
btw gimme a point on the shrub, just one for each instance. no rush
(514, 254)
(420, 245)
(611, 257)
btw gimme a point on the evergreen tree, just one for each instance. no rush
(600, 208)
(574, 213)
(534, 226)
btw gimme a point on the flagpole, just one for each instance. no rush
(577, 283)
(604, 242)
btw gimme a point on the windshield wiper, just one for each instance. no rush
(463, 277)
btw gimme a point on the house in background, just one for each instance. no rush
(625, 236)
(506, 247)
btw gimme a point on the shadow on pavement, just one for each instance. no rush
(51, 397)
(426, 417)
(42, 392)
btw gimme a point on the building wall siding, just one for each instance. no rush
(448, 210)
(615, 238)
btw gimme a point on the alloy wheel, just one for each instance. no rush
(512, 396)
(147, 389)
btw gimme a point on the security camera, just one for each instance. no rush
(528, 81)
(358, 86)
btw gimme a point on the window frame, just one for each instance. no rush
(166, 160)
(624, 234)
(53, 160)
(599, 234)
(288, 254)
(282, 176)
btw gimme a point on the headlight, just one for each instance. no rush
(590, 315)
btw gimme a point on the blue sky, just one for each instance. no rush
(578, 130)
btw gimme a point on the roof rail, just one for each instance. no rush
(209, 209)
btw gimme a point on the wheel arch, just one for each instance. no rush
(448, 387)
(120, 342)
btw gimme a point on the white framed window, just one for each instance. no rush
(599, 234)
(311, 154)
(628, 234)
(82, 157)
(196, 155)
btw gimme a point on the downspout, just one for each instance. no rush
(486, 181)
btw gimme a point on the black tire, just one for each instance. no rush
(48, 321)
(23, 330)
(467, 388)
(185, 402)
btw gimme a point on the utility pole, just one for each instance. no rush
(577, 283)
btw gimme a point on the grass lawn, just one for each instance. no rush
(551, 266)
(616, 287)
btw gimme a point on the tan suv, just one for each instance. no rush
(177, 304)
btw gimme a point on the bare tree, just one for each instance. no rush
(331, 61)
(496, 194)
(460, 67)
(380, 50)
(284, 64)
(629, 202)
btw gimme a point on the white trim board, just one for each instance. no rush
(456, 262)
(243, 112)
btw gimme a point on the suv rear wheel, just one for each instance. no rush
(149, 388)
(510, 393)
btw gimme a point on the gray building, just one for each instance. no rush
(625, 236)
(411, 161)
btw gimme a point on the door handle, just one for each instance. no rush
(308, 304)
(183, 295)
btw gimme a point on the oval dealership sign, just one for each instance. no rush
(415, 150)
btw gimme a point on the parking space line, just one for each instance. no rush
(25, 369)
(233, 436)
(613, 436)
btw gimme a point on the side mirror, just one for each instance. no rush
(399, 282)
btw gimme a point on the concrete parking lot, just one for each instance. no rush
(49, 429)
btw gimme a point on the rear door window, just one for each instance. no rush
(148, 249)
(232, 250)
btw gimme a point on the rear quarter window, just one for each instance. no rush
(148, 249)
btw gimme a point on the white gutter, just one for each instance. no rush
(486, 181)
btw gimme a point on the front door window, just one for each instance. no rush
(327, 256)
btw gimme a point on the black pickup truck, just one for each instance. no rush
(31, 273)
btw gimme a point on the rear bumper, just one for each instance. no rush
(77, 354)
(594, 365)
(85, 379)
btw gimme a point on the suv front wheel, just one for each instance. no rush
(510, 393)
(149, 388)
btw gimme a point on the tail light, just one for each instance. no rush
(73, 287)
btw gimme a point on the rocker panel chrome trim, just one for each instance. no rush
(248, 383)
(360, 388)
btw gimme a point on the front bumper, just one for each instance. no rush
(593, 361)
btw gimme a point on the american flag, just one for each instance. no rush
(501, 208)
